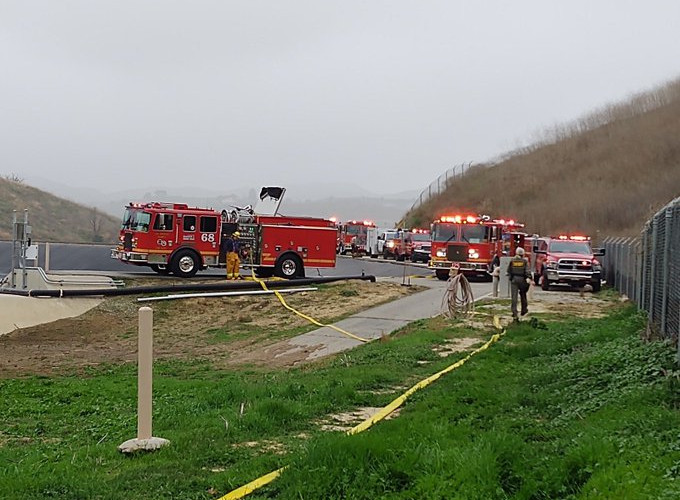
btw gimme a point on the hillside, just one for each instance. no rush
(603, 175)
(53, 218)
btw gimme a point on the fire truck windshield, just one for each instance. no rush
(445, 232)
(420, 237)
(580, 247)
(356, 229)
(474, 233)
(136, 220)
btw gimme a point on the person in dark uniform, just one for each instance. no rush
(520, 277)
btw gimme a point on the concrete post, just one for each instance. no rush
(145, 373)
(47, 257)
(504, 288)
(144, 440)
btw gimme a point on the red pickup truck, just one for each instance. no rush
(567, 259)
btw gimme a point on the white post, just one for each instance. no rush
(144, 440)
(145, 373)
(47, 257)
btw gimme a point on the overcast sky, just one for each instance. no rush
(113, 94)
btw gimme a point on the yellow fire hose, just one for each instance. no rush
(384, 412)
(302, 315)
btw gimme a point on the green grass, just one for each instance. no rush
(581, 410)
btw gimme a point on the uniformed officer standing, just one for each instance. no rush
(520, 278)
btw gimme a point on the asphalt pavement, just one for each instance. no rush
(89, 257)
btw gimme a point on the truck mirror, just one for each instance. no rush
(598, 252)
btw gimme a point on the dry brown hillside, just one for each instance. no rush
(603, 175)
(53, 218)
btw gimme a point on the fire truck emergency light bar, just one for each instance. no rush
(459, 219)
(574, 238)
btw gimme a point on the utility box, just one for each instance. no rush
(504, 286)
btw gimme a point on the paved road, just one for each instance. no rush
(82, 257)
(370, 324)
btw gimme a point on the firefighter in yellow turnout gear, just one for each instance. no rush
(232, 246)
(520, 278)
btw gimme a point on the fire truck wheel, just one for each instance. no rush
(597, 286)
(160, 269)
(442, 274)
(184, 264)
(537, 279)
(545, 284)
(289, 266)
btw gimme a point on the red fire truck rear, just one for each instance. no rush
(178, 239)
(352, 235)
(470, 243)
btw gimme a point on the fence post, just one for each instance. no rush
(665, 271)
(639, 264)
(643, 282)
(652, 272)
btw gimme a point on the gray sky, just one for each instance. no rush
(221, 94)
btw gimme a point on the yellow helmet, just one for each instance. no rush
(237, 234)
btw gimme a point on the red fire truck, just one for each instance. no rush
(353, 232)
(178, 239)
(471, 241)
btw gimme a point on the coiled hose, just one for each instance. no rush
(458, 299)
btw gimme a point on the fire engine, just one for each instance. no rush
(353, 232)
(567, 259)
(178, 239)
(395, 245)
(418, 245)
(470, 242)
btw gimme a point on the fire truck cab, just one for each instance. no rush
(470, 242)
(353, 235)
(178, 239)
(567, 259)
(394, 244)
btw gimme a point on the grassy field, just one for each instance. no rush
(578, 409)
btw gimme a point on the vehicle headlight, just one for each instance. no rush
(390, 244)
(551, 265)
(441, 252)
(473, 254)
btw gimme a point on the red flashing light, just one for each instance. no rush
(573, 238)
(459, 219)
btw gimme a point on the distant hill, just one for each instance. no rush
(605, 174)
(52, 218)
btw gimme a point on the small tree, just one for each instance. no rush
(96, 221)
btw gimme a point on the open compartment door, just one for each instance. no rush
(270, 199)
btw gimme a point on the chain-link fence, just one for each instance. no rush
(647, 270)
(440, 184)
